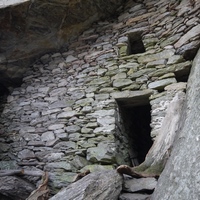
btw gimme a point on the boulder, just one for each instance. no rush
(97, 185)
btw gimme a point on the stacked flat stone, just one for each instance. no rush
(64, 117)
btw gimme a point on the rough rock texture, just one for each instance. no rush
(35, 27)
(160, 151)
(101, 186)
(15, 188)
(85, 107)
(180, 178)
(139, 185)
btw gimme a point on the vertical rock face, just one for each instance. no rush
(180, 179)
(84, 107)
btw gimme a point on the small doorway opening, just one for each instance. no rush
(136, 121)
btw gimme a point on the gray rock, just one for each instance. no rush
(65, 145)
(67, 114)
(61, 104)
(47, 136)
(85, 130)
(102, 96)
(70, 58)
(104, 121)
(58, 91)
(4, 147)
(134, 196)
(53, 157)
(55, 127)
(106, 129)
(180, 178)
(138, 185)
(73, 129)
(102, 113)
(119, 83)
(6, 165)
(160, 84)
(58, 165)
(26, 154)
(85, 102)
(20, 188)
(104, 153)
(50, 111)
(99, 185)
(186, 37)
(158, 56)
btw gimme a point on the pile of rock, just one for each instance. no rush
(64, 118)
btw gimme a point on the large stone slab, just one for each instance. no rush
(130, 98)
(138, 185)
(98, 185)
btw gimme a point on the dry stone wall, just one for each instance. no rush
(65, 116)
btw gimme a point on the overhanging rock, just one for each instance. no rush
(29, 28)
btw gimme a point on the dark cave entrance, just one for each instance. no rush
(136, 121)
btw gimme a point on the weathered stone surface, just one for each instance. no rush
(136, 185)
(119, 83)
(103, 153)
(20, 188)
(190, 34)
(32, 24)
(134, 196)
(58, 165)
(98, 185)
(180, 178)
(26, 154)
(160, 84)
(159, 56)
(67, 103)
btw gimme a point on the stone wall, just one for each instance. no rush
(66, 116)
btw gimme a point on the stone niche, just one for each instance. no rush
(94, 105)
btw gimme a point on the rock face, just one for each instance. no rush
(100, 102)
(180, 178)
(97, 185)
(30, 28)
(20, 188)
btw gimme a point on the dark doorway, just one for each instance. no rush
(136, 122)
(135, 44)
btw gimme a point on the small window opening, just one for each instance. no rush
(136, 122)
(135, 44)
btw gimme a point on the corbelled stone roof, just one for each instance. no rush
(29, 28)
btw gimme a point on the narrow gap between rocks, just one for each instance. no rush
(136, 122)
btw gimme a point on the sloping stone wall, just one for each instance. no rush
(65, 116)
